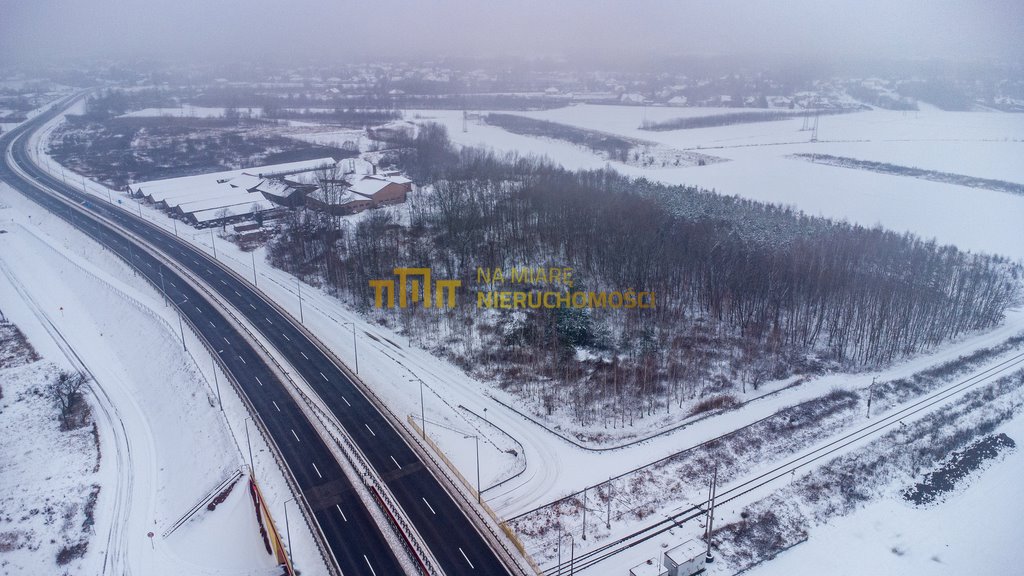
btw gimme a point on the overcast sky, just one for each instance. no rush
(365, 29)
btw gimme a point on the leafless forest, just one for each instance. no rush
(746, 292)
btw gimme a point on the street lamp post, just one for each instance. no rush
(355, 346)
(252, 466)
(181, 326)
(213, 243)
(479, 498)
(253, 254)
(298, 283)
(216, 381)
(288, 531)
(162, 287)
(423, 412)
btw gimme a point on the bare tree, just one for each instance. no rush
(66, 392)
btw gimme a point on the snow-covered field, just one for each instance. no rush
(980, 144)
(975, 531)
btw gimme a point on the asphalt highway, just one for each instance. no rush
(359, 547)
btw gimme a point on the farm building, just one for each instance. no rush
(366, 191)
(233, 195)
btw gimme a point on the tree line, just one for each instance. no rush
(746, 291)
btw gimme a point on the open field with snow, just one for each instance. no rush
(979, 144)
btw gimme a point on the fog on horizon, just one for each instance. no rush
(56, 30)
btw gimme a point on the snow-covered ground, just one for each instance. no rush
(81, 306)
(974, 531)
(545, 467)
(980, 144)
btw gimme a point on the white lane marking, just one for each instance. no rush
(346, 401)
(212, 324)
(317, 470)
(400, 467)
(236, 293)
(304, 355)
(275, 405)
(251, 306)
(325, 377)
(370, 565)
(223, 282)
(172, 283)
(429, 506)
(258, 381)
(338, 506)
(296, 436)
(368, 428)
(226, 340)
(268, 320)
(467, 559)
(198, 309)
(243, 360)
(286, 337)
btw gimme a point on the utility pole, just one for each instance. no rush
(253, 254)
(712, 490)
(572, 554)
(584, 513)
(559, 549)
(871, 391)
(298, 283)
(608, 520)
(213, 241)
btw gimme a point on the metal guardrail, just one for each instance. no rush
(412, 439)
(202, 502)
(469, 487)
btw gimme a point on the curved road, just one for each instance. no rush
(357, 544)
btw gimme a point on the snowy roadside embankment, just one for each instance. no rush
(164, 441)
(50, 471)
